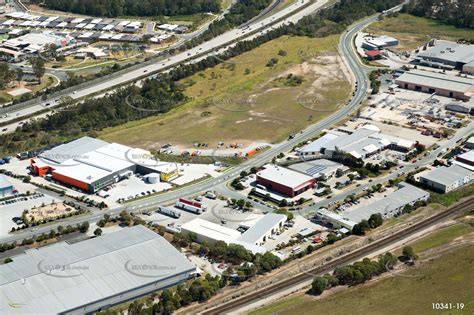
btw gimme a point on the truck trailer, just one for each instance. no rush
(191, 206)
(169, 212)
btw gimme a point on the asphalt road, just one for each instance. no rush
(260, 159)
(289, 14)
(219, 183)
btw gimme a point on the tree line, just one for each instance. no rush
(159, 95)
(239, 13)
(114, 8)
(459, 13)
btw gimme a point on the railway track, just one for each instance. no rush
(343, 260)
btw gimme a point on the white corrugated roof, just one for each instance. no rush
(61, 277)
(283, 176)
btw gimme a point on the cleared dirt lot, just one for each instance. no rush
(246, 100)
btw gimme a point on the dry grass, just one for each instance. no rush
(232, 104)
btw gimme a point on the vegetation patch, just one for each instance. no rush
(443, 279)
(412, 31)
(243, 100)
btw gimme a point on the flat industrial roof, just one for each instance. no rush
(283, 176)
(447, 175)
(259, 229)
(450, 51)
(212, 230)
(61, 277)
(73, 149)
(404, 195)
(317, 144)
(469, 156)
(343, 141)
(315, 167)
(4, 182)
(437, 80)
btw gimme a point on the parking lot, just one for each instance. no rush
(15, 207)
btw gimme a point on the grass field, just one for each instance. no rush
(441, 237)
(237, 100)
(413, 32)
(446, 279)
(453, 196)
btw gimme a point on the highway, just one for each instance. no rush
(219, 183)
(292, 13)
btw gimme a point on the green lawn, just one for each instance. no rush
(237, 101)
(414, 31)
(453, 196)
(447, 279)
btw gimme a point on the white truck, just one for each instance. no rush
(169, 212)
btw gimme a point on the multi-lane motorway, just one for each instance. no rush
(219, 183)
(292, 13)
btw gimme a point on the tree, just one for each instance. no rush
(361, 227)
(319, 285)
(7, 260)
(98, 232)
(375, 220)
(84, 227)
(19, 75)
(283, 203)
(38, 67)
(409, 253)
(241, 203)
(6, 75)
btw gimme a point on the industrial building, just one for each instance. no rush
(469, 143)
(92, 164)
(320, 169)
(263, 229)
(445, 179)
(390, 205)
(365, 142)
(336, 220)
(253, 239)
(468, 68)
(439, 83)
(91, 275)
(465, 160)
(447, 55)
(6, 188)
(379, 43)
(209, 232)
(314, 148)
(284, 181)
(458, 107)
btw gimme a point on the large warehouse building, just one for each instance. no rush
(447, 55)
(92, 164)
(91, 275)
(444, 179)
(253, 239)
(284, 181)
(388, 207)
(365, 142)
(439, 83)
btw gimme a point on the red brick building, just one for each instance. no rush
(284, 181)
